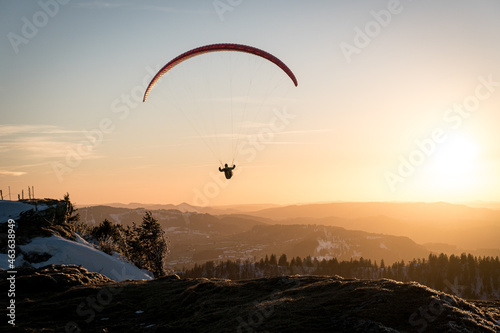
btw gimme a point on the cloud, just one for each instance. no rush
(288, 143)
(158, 8)
(35, 148)
(8, 130)
(27, 142)
(11, 173)
(253, 133)
(39, 146)
(129, 6)
(307, 131)
(101, 4)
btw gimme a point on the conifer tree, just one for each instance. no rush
(282, 261)
(147, 245)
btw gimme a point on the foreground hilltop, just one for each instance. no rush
(61, 298)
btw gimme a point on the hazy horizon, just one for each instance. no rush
(493, 205)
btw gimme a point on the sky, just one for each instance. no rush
(396, 101)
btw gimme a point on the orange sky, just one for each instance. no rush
(396, 101)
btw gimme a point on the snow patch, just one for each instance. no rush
(117, 217)
(13, 209)
(356, 254)
(337, 244)
(66, 252)
(326, 244)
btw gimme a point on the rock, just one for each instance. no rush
(30, 281)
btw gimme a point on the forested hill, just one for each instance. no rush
(197, 238)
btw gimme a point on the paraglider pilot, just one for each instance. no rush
(228, 171)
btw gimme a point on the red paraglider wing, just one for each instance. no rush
(215, 48)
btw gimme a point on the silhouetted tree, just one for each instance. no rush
(282, 261)
(147, 245)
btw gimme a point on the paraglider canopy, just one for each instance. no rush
(216, 48)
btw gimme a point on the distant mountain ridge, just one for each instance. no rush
(455, 224)
(185, 207)
(398, 210)
(466, 229)
(199, 237)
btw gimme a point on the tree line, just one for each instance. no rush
(465, 275)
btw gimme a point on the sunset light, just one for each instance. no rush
(250, 166)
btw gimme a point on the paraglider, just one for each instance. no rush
(228, 171)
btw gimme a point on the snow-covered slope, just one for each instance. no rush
(58, 250)
(65, 251)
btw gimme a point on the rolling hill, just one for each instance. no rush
(197, 237)
(468, 228)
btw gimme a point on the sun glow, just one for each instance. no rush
(455, 164)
